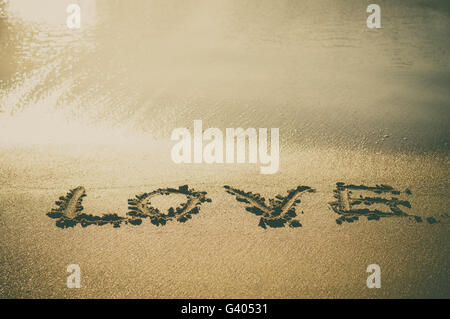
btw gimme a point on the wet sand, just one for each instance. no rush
(94, 108)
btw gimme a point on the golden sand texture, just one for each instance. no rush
(221, 252)
(91, 110)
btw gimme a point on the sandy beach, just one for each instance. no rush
(221, 252)
(95, 107)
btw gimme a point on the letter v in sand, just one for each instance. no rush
(280, 211)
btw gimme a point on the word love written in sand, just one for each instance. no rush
(277, 212)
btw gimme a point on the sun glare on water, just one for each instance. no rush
(50, 12)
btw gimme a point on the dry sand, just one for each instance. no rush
(220, 252)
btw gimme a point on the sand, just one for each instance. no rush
(94, 108)
(221, 252)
